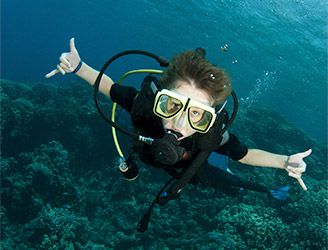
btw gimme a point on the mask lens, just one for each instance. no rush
(168, 106)
(199, 119)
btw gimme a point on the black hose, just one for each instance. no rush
(143, 223)
(163, 62)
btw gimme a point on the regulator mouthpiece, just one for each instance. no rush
(167, 150)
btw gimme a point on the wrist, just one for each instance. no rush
(78, 67)
(286, 163)
(82, 71)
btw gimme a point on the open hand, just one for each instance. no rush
(68, 61)
(295, 166)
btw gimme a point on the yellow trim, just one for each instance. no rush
(120, 81)
(184, 100)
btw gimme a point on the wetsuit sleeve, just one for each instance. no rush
(233, 148)
(123, 95)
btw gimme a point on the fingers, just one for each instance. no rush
(296, 161)
(299, 156)
(299, 179)
(301, 182)
(294, 175)
(64, 60)
(65, 68)
(72, 45)
(61, 70)
(64, 63)
(52, 73)
(299, 168)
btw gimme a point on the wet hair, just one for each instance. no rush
(191, 67)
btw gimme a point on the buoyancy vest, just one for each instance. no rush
(144, 121)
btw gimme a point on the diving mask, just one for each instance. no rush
(169, 104)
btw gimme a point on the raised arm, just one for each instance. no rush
(70, 62)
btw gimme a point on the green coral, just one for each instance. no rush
(60, 188)
(260, 226)
(61, 227)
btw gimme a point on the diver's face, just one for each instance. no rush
(180, 122)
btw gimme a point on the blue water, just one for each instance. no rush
(280, 46)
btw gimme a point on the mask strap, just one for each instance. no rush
(153, 87)
(222, 107)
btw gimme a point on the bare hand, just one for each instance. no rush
(296, 166)
(68, 61)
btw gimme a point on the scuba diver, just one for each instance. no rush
(180, 122)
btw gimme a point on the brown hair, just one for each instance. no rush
(190, 67)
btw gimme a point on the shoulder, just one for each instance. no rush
(123, 96)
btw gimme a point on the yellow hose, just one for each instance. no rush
(120, 81)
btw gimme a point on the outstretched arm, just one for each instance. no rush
(70, 62)
(261, 158)
(293, 164)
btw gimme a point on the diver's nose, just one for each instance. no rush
(180, 121)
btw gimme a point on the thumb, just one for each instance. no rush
(72, 45)
(306, 153)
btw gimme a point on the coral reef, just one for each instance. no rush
(60, 188)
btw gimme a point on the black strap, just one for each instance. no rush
(177, 186)
(143, 223)
(195, 165)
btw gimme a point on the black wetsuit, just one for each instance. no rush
(208, 175)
